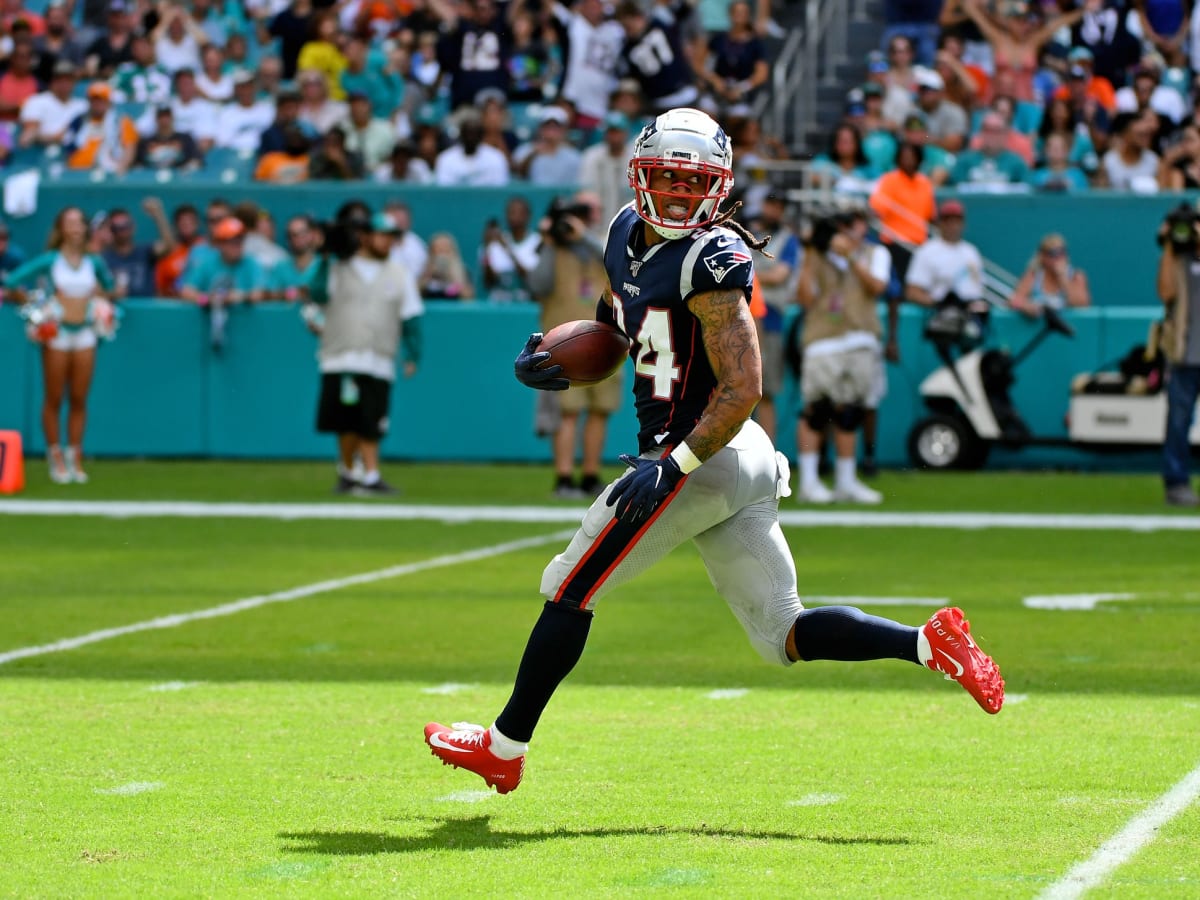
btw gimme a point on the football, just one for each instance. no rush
(589, 351)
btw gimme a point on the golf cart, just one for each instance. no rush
(970, 409)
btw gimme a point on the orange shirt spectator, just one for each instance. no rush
(903, 199)
(281, 167)
(101, 138)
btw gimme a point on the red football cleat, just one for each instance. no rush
(467, 746)
(959, 658)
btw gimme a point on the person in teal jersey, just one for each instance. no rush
(77, 285)
(1057, 173)
(991, 164)
(843, 163)
(367, 73)
(226, 274)
(292, 275)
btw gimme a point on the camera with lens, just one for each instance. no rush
(342, 237)
(1179, 229)
(560, 212)
(823, 230)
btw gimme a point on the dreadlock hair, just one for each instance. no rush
(755, 243)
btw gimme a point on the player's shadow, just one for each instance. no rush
(477, 833)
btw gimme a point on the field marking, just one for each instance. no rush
(134, 787)
(450, 687)
(1119, 849)
(1082, 602)
(128, 509)
(876, 601)
(297, 593)
(169, 686)
(1010, 699)
(468, 796)
(727, 694)
(816, 800)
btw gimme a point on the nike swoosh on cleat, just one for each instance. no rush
(435, 740)
(956, 663)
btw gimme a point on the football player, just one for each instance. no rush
(680, 275)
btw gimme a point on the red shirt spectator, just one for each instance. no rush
(18, 84)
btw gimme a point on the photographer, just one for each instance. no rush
(369, 305)
(1179, 340)
(841, 278)
(568, 278)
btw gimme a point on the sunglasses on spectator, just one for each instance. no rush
(297, 233)
(1055, 251)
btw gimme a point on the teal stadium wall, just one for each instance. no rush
(160, 391)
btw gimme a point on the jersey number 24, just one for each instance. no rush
(656, 355)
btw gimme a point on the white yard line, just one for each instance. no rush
(126, 509)
(1119, 849)
(297, 593)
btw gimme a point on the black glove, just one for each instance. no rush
(527, 371)
(644, 487)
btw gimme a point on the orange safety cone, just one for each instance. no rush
(12, 463)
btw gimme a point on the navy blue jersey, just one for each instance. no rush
(656, 58)
(650, 288)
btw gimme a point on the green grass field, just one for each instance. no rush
(276, 750)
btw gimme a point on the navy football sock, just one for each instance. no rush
(846, 633)
(554, 647)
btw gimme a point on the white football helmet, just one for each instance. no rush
(691, 142)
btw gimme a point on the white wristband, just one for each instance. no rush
(685, 458)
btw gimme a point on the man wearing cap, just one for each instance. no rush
(549, 159)
(101, 138)
(945, 122)
(46, 116)
(242, 121)
(1097, 87)
(602, 167)
(228, 275)
(371, 308)
(946, 267)
(368, 136)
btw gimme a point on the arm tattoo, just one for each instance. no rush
(731, 342)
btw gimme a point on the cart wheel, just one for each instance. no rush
(942, 442)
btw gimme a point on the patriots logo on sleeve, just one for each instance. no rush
(722, 262)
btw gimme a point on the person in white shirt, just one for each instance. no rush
(594, 47)
(193, 114)
(471, 162)
(177, 40)
(1130, 164)
(215, 84)
(316, 109)
(603, 168)
(947, 267)
(508, 256)
(241, 123)
(408, 247)
(1147, 91)
(46, 116)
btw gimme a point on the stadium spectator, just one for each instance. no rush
(777, 277)
(901, 75)
(1050, 281)
(227, 276)
(1080, 76)
(260, 243)
(737, 62)
(937, 161)
(167, 148)
(332, 161)
(627, 100)
(1056, 173)
(1017, 39)
(131, 263)
(494, 119)
(18, 82)
(370, 312)
(113, 46)
(470, 162)
(916, 20)
(903, 200)
(1086, 109)
(445, 275)
(655, 55)
(291, 27)
(186, 234)
(1059, 119)
(79, 281)
(177, 40)
(46, 116)
(508, 254)
(407, 246)
(593, 47)
(141, 80)
(384, 85)
(1180, 167)
(1164, 25)
(528, 60)
(290, 278)
(568, 276)
(369, 137)
(992, 165)
(947, 268)
(549, 159)
(1179, 340)
(404, 165)
(205, 17)
(602, 168)
(241, 123)
(844, 166)
(318, 111)
(1147, 92)
(1015, 140)
(287, 113)
(895, 100)
(751, 146)
(966, 84)
(322, 54)
(100, 139)
(190, 112)
(1103, 30)
(843, 364)
(60, 43)
(215, 79)
(1130, 164)
(945, 122)
(474, 51)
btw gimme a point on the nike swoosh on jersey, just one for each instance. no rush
(436, 741)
